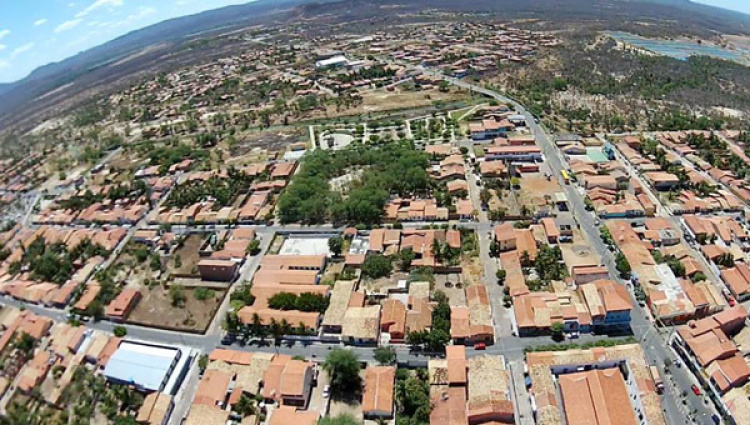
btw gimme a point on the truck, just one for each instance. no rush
(658, 383)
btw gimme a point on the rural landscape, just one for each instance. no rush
(379, 212)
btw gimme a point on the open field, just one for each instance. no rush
(189, 257)
(156, 309)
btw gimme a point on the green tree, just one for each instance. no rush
(253, 248)
(557, 329)
(203, 362)
(245, 406)
(25, 342)
(120, 331)
(623, 266)
(406, 257)
(343, 369)
(376, 266)
(177, 295)
(203, 294)
(385, 355)
(412, 393)
(336, 245)
(501, 275)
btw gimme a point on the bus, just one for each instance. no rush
(565, 176)
(658, 383)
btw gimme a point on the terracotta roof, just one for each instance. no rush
(231, 356)
(286, 415)
(362, 323)
(448, 405)
(120, 305)
(212, 390)
(201, 414)
(34, 372)
(455, 356)
(280, 262)
(596, 397)
(293, 380)
(378, 391)
(286, 277)
(730, 372)
(393, 318)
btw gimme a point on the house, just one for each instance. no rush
(551, 229)
(493, 169)
(662, 181)
(289, 415)
(597, 181)
(218, 270)
(288, 381)
(505, 237)
(393, 320)
(156, 409)
(377, 398)
(489, 129)
(608, 303)
(587, 274)
(119, 309)
(513, 153)
(361, 325)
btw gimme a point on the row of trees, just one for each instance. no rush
(308, 302)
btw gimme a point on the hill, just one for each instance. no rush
(40, 94)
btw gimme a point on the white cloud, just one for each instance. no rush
(4, 64)
(40, 22)
(22, 49)
(67, 25)
(98, 4)
(131, 19)
(3, 47)
(4, 33)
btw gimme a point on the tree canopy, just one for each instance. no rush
(343, 368)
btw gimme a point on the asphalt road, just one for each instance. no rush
(652, 341)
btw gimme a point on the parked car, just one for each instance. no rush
(228, 339)
(480, 346)
(696, 390)
(326, 391)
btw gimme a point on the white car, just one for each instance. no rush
(326, 391)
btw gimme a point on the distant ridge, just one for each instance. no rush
(21, 98)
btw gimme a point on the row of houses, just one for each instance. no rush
(714, 349)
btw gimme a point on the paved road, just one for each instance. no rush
(654, 346)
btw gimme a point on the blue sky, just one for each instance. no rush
(37, 32)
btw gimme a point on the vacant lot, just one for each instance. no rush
(472, 271)
(187, 253)
(536, 191)
(133, 273)
(156, 309)
(504, 200)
